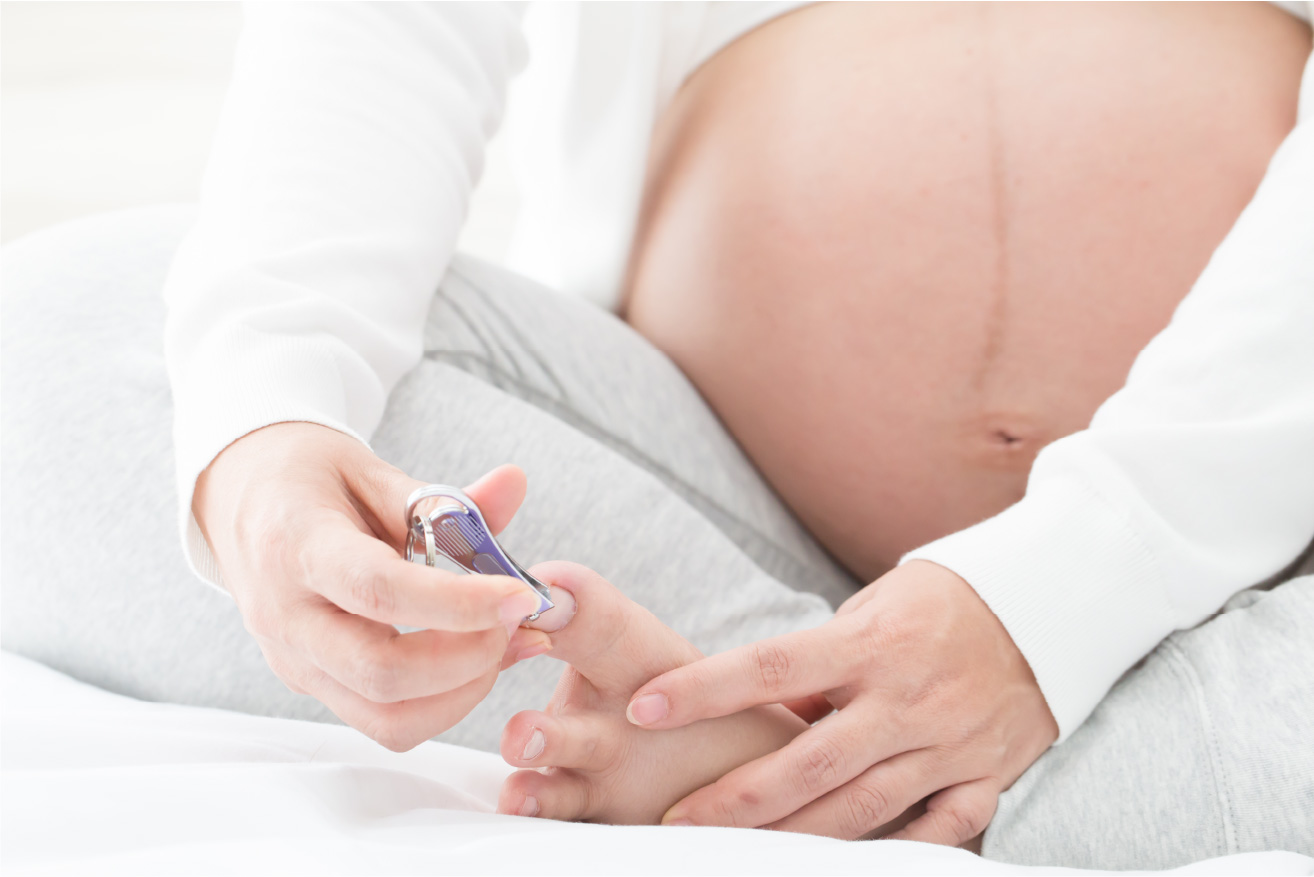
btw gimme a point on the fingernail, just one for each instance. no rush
(534, 748)
(648, 709)
(676, 823)
(530, 807)
(533, 652)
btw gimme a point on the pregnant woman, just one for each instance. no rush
(863, 263)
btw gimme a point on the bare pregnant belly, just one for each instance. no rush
(899, 248)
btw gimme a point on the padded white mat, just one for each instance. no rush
(94, 783)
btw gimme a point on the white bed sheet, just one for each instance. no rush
(95, 783)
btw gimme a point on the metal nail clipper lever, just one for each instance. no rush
(444, 520)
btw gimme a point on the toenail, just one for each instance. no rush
(533, 749)
(560, 615)
(648, 709)
(530, 807)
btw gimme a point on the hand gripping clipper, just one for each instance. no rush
(443, 519)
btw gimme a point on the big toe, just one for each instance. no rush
(612, 641)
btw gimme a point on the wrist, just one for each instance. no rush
(925, 600)
(1072, 583)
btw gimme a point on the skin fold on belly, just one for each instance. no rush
(900, 247)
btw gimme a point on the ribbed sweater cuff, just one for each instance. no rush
(1073, 584)
(235, 394)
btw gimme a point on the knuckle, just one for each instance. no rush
(365, 589)
(729, 807)
(886, 631)
(299, 680)
(376, 681)
(941, 758)
(281, 546)
(872, 640)
(259, 617)
(295, 677)
(283, 670)
(818, 765)
(377, 678)
(390, 732)
(773, 664)
(964, 822)
(865, 807)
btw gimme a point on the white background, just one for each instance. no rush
(109, 105)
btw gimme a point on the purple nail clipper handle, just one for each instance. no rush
(450, 522)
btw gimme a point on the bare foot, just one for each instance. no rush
(590, 763)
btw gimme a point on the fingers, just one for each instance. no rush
(785, 668)
(299, 514)
(407, 724)
(870, 800)
(381, 665)
(955, 815)
(533, 739)
(822, 758)
(398, 726)
(525, 644)
(499, 494)
(365, 577)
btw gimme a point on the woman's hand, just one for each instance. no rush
(932, 698)
(306, 525)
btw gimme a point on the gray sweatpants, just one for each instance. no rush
(1201, 750)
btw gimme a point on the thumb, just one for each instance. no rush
(499, 494)
(385, 489)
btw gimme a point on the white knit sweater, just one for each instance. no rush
(350, 143)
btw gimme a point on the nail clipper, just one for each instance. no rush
(445, 520)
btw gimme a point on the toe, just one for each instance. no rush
(559, 794)
(588, 741)
(614, 642)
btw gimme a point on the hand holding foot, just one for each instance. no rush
(933, 700)
(587, 761)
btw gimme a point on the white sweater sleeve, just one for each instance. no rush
(1192, 482)
(349, 144)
